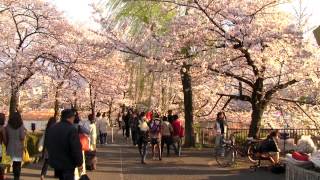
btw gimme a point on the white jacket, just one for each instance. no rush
(102, 125)
(93, 137)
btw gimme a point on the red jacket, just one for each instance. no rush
(178, 129)
(149, 115)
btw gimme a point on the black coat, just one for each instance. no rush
(63, 145)
(170, 118)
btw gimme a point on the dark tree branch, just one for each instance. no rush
(237, 97)
(297, 101)
(272, 91)
(227, 103)
(215, 105)
(26, 78)
(229, 74)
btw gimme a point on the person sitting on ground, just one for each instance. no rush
(155, 134)
(166, 131)
(269, 149)
(63, 145)
(143, 134)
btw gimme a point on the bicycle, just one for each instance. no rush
(228, 152)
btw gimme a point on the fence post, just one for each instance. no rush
(202, 137)
(112, 135)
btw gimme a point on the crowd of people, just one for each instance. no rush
(152, 128)
(77, 153)
(69, 144)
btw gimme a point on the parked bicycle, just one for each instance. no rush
(228, 153)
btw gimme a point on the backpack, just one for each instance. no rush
(155, 128)
(166, 128)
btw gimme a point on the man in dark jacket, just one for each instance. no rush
(63, 145)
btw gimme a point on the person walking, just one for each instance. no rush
(83, 129)
(63, 145)
(127, 124)
(14, 136)
(2, 130)
(97, 120)
(134, 123)
(170, 116)
(155, 134)
(93, 133)
(167, 131)
(119, 120)
(90, 156)
(143, 134)
(102, 126)
(178, 133)
(219, 128)
(123, 124)
(52, 121)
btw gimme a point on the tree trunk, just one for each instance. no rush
(92, 100)
(56, 105)
(188, 107)
(110, 110)
(256, 117)
(56, 100)
(151, 90)
(13, 102)
(258, 107)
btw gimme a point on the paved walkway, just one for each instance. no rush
(121, 162)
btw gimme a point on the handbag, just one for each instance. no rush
(25, 156)
(84, 140)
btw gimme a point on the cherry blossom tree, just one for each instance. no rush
(256, 47)
(32, 33)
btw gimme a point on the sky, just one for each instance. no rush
(79, 11)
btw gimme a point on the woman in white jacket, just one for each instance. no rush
(93, 133)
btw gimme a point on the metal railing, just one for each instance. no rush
(206, 136)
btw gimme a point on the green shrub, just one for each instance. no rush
(31, 141)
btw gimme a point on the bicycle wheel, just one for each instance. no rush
(225, 157)
(251, 153)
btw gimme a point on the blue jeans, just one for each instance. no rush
(177, 141)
